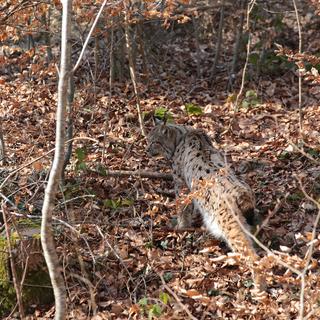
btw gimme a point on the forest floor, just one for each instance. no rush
(138, 265)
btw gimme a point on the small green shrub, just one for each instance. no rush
(193, 110)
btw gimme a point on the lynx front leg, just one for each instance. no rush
(185, 217)
(184, 211)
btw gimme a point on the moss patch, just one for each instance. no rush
(37, 285)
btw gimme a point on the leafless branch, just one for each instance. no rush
(39, 158)
(90, 286)
(299, 72)
(236, 104)
(89, 37)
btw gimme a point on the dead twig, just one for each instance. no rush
(310, 249)
(183, 307)
(39, 158)
(115, 252)
(303, 152)
(271, 213)
(91, 290)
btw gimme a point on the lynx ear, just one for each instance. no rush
(161, 121)
(156, 120)
(164, 129)
(165, 117)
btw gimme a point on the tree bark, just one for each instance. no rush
(71, 90)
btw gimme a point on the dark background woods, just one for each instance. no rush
(189, 58)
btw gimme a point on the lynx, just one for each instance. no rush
(220, 196)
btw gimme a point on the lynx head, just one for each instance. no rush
(163, 140)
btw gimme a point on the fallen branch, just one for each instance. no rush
(136, 173)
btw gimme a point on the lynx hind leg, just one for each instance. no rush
(240, 242)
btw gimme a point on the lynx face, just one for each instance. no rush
(163, 140)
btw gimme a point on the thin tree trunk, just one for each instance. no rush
(237, 45)
(2, 147)
(46, 20)
(141, 42)
(133, 72)
(47, 239)
(96, 66)
(219, 42)
(111, 60)
(120, 56)
(197, 40)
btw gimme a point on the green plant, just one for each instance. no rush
(284, 155)
(164, 297)
(167, 276)
(74, 189)
(164, 244)
(101, 170)
(295, 197)
(248, 283)
(163, 113)
(193, 110)
(117, 203)
(213, 292)
(313, 152)
(154, 310)
(149, 245)
(81, 155)
(250, 100)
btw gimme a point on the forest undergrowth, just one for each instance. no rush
(119, 234)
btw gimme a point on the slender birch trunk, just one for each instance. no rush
(47, 239)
